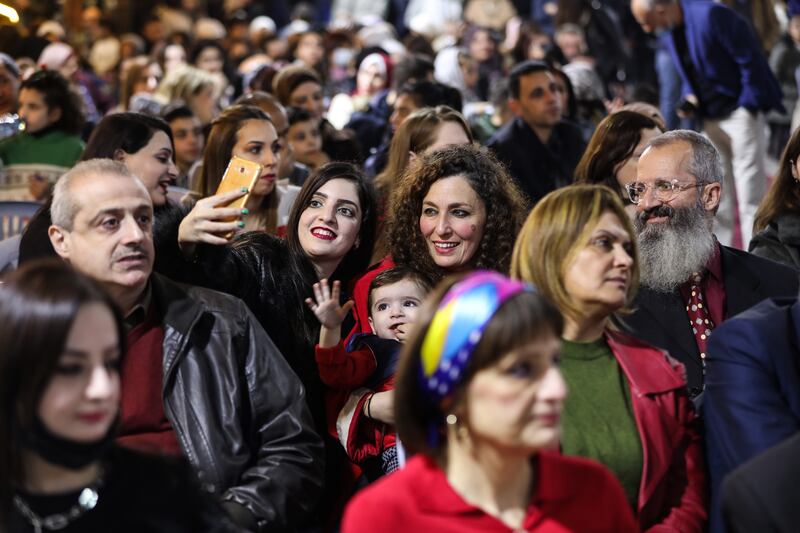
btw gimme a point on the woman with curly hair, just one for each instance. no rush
(424, 131)
(454, 210)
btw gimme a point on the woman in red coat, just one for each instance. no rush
(628, 406)
(478, 401)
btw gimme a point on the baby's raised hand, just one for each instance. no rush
(325, 304)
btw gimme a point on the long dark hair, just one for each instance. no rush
(38, 305)
(783, 195)
(129, 132)
(56, 93)
(613, 142)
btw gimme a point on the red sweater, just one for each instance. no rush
(144, 425)
(571, 494)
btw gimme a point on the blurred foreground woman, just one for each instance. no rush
(60, 388)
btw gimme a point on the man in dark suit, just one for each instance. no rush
(539, 149)
(762, 494)
(689, 282)
(752, 398)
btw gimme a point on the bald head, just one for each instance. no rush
(655, 15)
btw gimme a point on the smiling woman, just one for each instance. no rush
(628, 406)
(329, 235)
(441, 210)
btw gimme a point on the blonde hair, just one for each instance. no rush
(183, 83)
(556, 230)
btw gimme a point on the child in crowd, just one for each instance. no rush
(367, 364)
(305, 138)
(187, 136)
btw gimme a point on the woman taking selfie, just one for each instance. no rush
(628, 406)
(246, 131)
(59, 469)
(479, 399)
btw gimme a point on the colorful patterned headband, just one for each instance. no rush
(457, 327)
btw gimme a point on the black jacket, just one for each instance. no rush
(779, 241)
(139, 493)
(237, 409)
(538, 168)
(761, 495)
(660, 319)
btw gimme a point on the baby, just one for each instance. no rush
(368, 362)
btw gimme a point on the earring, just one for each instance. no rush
(451, 420)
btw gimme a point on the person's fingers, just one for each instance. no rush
(311, 304)
(318, 292)
(336, 290)
(209, 238)
(217, 213)
(326, 290)
(207, 226)
(348, 305)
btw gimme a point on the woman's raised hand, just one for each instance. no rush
(209, 223)
(325, 304)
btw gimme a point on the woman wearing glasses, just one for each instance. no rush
(628, 406)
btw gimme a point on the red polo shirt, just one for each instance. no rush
(571, 494)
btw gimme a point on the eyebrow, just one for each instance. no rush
(118, 211)
(621, 235)
(449, 206)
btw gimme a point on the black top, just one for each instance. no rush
(537, 167)
(140, 493)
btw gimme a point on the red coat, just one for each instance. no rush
(571, 495)
(673, 491)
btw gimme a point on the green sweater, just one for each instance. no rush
(50, 148)
(598, 420)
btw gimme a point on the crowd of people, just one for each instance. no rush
(489, 274)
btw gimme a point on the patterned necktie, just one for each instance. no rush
(699, 317)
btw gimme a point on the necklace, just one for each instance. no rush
(87, 500)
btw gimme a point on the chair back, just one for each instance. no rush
(14, 216)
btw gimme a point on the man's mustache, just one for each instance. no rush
(657, 211)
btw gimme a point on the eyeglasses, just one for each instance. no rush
(663, 190)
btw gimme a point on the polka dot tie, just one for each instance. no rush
(699, 317)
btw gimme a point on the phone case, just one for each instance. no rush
(240, 173)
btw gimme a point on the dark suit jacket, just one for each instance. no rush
(730, 70)
(752, 397)
(538, 168)
(762, 495)
(660, 319)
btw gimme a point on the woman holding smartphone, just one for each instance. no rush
(59, 468)
(246, 131)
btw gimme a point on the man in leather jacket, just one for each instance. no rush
(200, 377)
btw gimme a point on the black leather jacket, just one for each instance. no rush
(238, 410)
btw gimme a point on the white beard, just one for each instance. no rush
(670, 252)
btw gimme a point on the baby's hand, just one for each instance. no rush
(326, 307)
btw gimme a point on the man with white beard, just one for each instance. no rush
(689, 282)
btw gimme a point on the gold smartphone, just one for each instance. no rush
(240, 173)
